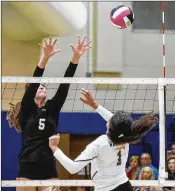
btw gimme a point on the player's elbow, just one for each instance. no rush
(74, 170)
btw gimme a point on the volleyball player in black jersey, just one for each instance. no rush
(38, 119)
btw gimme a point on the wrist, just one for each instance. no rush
(43, 61)
(54, 149)
(95, 105)
(46, 57)
(75, 59)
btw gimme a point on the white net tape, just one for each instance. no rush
(16, 79)
(38, 183)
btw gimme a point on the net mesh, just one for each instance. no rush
(136, 98)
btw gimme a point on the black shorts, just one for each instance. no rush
(37, 171)
(124, 187)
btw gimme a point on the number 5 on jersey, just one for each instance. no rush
(41, 124)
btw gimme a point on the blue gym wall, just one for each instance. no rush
(77, 123)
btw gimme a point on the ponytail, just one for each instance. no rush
(142, 126)
(130, 131)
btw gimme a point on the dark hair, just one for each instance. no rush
(171, 158)
(13, 114)
(122, 128)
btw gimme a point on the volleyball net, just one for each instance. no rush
(135, 95)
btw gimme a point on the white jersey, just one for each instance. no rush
(107, 161)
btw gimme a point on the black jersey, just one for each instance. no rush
(38, 124)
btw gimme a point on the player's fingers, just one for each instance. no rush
(83, 40)
(88, 47)
(78, 40)
(41, 45)
(85, 94)
(88, 93)
(72, 46)
(85, 91)
(54, 42)
(83, 100)
(58, 50)
(50, 40)
(58, 136)
(45, 42)
(88, 43)
(53, 137)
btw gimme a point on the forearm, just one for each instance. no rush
(104, 113)
(75, 59)
(70, 71)
(63, 89)
(43, 61)
(32, 88)
(71, 166)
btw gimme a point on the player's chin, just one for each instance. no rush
(41, 96)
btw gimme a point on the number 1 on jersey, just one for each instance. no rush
(41, 124)
(119, 162)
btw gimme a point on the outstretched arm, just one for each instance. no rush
(80, 162)
(62, 92)
(89, 100)
(104, 113)
(29, 95)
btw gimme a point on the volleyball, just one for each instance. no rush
(122, 17)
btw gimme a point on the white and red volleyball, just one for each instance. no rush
(122, 16)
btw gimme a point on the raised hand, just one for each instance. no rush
(88, 99)
(48, 48)
(81, 47)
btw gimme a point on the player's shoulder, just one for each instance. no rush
(98, 143)
(49, 104)
(102, 140)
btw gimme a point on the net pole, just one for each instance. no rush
(164, 75)
(161, 96)
(0, 127)
(162, 110)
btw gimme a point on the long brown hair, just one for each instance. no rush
(13, 114)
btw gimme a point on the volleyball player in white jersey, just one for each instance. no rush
(108, 154)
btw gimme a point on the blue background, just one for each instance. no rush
(78, 123)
